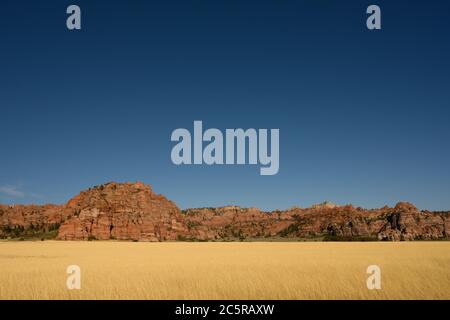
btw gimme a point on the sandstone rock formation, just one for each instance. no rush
(29, 220)
(131, 211)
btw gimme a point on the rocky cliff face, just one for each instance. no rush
(404, 222)
(32, 220)
(131, 211)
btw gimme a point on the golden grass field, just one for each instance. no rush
(247, 270)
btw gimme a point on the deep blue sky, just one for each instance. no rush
(363, 116)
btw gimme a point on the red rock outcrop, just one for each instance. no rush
(131, 211)
(406, 222)
(233, 222)
(19, 220)
(328, 222)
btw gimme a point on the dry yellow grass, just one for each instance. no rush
(308, 270)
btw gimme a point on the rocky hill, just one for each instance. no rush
(131, 211)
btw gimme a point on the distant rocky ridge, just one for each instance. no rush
(131, 211)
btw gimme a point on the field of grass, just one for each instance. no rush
(253, 270)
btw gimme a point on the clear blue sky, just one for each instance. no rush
(363, 116)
